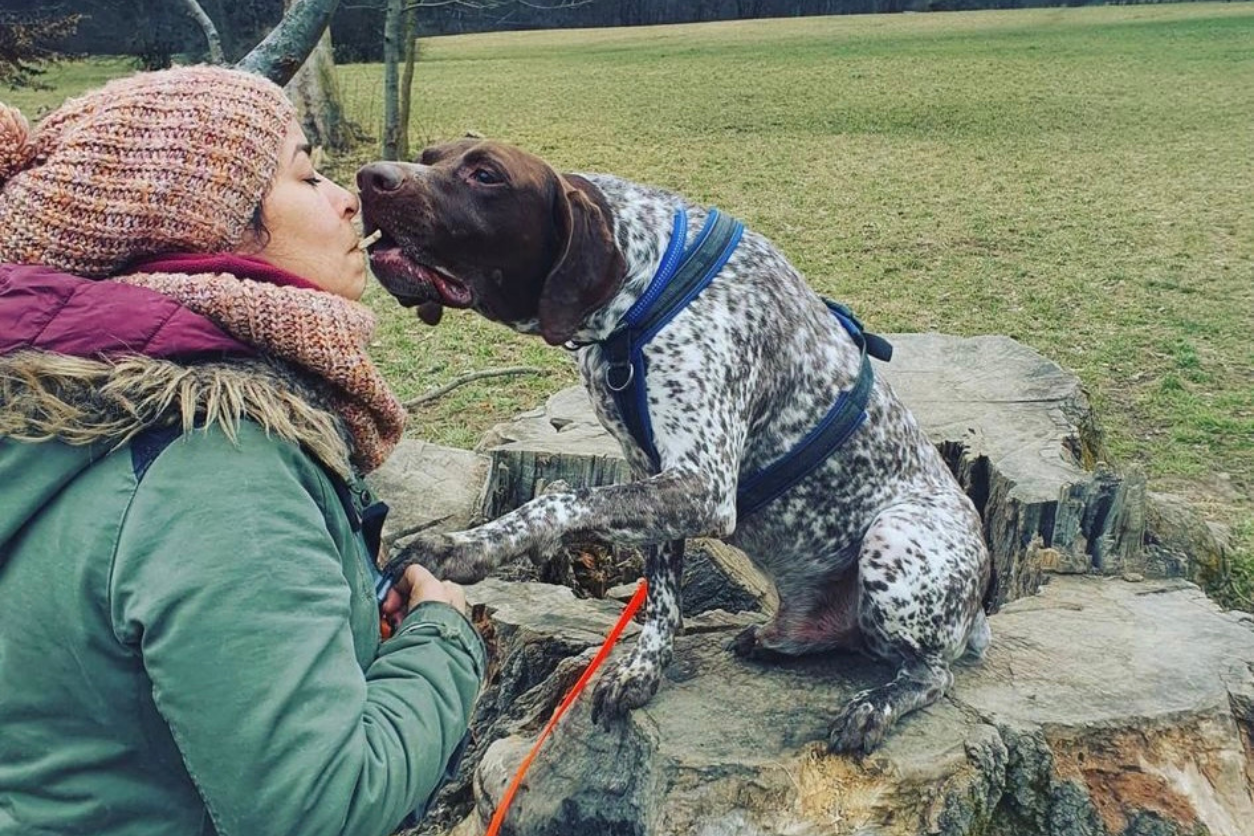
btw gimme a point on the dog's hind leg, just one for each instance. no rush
(811, 618)
(867, 717)
(921, 575)
(630, 683)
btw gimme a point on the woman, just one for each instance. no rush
(189, 624)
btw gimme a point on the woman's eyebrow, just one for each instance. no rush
(304, 148)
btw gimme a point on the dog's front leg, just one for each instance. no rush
(672, 505)
(659, 513)
(630, 683)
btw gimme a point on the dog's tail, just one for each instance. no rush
(979, 638)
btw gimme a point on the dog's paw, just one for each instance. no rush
(445, 557)
(749, 644)
(621, 688)
(861, 725)
(746, 644)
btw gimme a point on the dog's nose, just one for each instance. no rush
(380, 177)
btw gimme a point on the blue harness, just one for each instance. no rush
(682, 275)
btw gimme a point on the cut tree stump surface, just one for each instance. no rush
(1103, 707)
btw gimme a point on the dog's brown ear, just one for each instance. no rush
(590, 268)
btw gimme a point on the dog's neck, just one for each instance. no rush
(622, 202)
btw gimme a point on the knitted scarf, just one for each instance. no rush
(320, 332)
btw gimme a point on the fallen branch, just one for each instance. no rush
(441, 391)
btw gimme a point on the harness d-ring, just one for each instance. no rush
(609, 379)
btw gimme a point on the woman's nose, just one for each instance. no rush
(340, 198)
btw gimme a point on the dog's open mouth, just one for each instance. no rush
(411, 282)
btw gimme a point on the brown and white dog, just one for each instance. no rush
(878, 549)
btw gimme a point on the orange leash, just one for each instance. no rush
(632, 607)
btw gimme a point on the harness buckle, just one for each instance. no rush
(610, 376)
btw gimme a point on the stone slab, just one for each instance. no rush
(423, 482)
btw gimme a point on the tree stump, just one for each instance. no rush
(1018, 432)
(561, 440)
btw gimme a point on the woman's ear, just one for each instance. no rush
(589, 270)
(255, 237)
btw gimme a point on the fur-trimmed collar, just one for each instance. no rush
(80, 401)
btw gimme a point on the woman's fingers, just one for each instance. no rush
(392, 603)
(421, 585)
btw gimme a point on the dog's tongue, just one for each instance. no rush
(454, 294)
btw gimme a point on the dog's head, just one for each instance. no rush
(484, 225)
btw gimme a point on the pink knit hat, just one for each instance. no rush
(170, 161)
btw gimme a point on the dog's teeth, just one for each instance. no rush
(370, 239)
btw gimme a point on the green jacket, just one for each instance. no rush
(189, 640)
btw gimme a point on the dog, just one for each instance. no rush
(875, 549)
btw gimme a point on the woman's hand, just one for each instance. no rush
(416, 585)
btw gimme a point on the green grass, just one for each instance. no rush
(1080, 179)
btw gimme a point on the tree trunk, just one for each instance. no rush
(211, 31)
(316, 93)
(392, 26)
(407, 81)
(281, 54)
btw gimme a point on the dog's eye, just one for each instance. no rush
(486, 177)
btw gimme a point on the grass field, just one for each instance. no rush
(1080, 179)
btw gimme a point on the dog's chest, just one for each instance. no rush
(750, 366)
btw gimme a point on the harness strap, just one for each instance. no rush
(681, 276)
(368, 525)
(679, 280)
(845, 416)
(840, 422)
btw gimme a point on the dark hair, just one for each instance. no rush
(257, 226)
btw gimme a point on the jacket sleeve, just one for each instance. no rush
(228, 580)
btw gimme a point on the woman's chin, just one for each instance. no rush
(351, 284)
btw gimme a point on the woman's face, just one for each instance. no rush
(309, 220)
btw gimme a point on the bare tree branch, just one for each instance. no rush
(28, 43)
(409, 49)
(488, 5)
(441, 391)
(280, 55)
(475, 5)
(399, 36)
(565, 4)
(211, 32)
